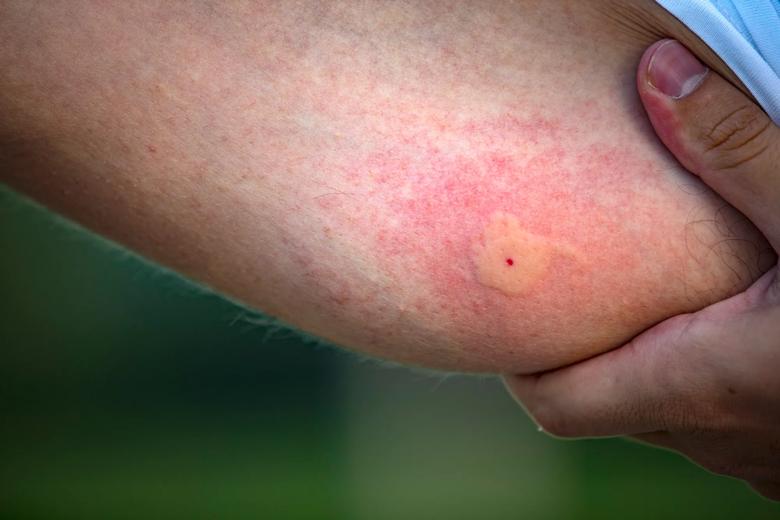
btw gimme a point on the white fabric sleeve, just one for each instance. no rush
(746, 36)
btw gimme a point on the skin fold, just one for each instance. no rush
(364, 171)
(705, 383)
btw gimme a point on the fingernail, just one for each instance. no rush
(674, 70)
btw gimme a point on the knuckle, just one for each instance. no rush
(737, 138)
(555, 423)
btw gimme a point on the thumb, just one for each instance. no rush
(715, 131)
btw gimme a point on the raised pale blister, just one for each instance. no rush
(509, 258)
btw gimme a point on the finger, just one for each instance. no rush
(762, 475)
(630, 390)
(732, 453)
(769, 489)
(715, 131)
(659, 439)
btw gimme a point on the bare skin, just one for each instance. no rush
(705, 383)
(362, 170)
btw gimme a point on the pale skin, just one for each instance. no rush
(704, 384)
(511, 260)
(365, 170)
(336, 165)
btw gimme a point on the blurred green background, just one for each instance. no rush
(127, 393)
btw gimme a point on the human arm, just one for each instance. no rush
(359, 169)
(704, 384)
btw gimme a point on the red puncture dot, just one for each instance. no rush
(509, 261)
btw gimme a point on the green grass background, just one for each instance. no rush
(127, 393)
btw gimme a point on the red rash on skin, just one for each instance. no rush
(428, 194)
